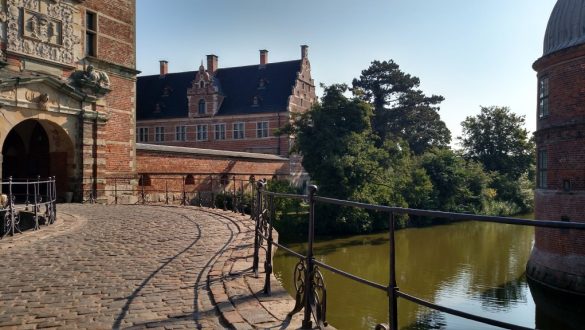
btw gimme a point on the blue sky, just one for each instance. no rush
(471, 52)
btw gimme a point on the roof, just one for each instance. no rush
(166, 97)
(566, 26)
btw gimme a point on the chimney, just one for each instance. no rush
(212, 63)
(304, 51)
(164, 68)
(263, 57)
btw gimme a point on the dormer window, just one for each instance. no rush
(262, 83)
(201, 110)
(255, 101)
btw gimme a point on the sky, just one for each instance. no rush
(474, 53)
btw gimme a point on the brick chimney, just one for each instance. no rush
(263, 57)
(304, 51)
(164, 68)
(212, 63)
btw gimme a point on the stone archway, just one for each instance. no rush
(42, 148)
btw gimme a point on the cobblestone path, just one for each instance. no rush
(104, 267)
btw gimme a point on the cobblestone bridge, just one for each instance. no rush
(104, 267)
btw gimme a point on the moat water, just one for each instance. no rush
(475, 267)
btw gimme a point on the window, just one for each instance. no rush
(201, 132)
(201, 107)
(220, 131)
(159, 134)
(542, 168)
(262, 129)
(543, 98)
(239, 131)
(181, 133)
(142, 134)
(90, 33)
(144, 180)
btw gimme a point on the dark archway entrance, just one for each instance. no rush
(38, 148)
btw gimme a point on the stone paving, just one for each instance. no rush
(110, 267)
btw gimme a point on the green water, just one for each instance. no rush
(475, 267)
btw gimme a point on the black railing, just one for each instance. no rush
(214, 191)
(311, 292)
(19, 196)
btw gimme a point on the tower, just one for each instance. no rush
(558, 257)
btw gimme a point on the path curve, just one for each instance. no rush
(110, 267)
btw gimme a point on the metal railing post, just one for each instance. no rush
(54, 202)
(392, 287)
(307, 323)
(142, 186)
(260, 188)
(166, 192)
(11, 205)
(36, 203)
(184, 201)
(116, 191)
(212, 194)
(268, 261)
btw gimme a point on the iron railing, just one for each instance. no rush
(37, 197)
(311, 292)
(184, 189)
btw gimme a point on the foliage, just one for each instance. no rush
(458, 184)
(401, 109)
(497, 139)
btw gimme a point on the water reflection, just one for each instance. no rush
(471, 266)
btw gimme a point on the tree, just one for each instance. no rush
(339, 152)
(401, 110)
(458, 185)
(497, 139)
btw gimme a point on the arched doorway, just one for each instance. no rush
(38, 148)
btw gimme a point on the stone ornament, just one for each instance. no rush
(91, 81)
(41, 28)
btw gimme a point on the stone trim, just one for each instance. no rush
(207, 152)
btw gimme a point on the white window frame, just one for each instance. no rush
(262, 129)
(159, 134)
(180, 133)
(202, 132)
(219, 134)
(239, 130)
(142, 134)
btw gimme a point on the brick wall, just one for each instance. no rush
(558, 257)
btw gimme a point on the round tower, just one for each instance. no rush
(558, 257)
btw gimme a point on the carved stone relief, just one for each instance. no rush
(42, 29)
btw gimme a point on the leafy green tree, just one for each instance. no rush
(458, 185)
(401, 109)
(498, 139)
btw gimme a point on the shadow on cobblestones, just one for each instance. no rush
(134, 294)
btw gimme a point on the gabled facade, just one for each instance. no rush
(236, 109)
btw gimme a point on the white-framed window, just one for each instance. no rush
(181, 133)
(542, 169)
(262, 129)
(239, 131)
(142, 134)
(201, 132)
(159, 134)
(219, 131)
(543, 90)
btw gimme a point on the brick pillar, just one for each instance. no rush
(92, 155)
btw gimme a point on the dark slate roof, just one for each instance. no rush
(566, 26)
(239, 86)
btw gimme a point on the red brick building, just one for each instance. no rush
(558, 257)
(236, 109)
(67, 91)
